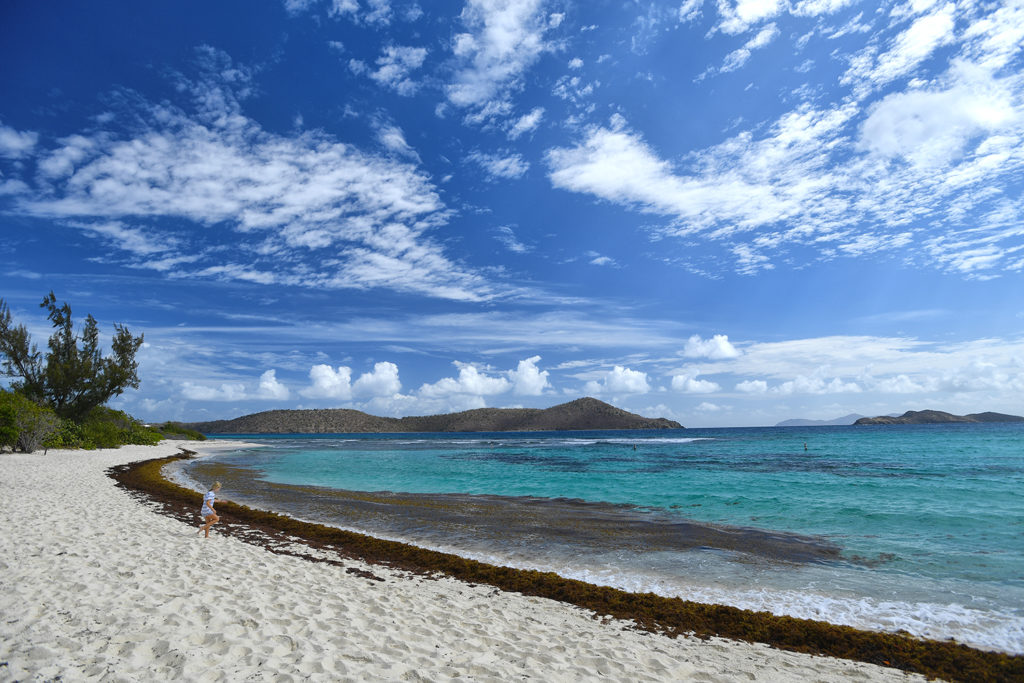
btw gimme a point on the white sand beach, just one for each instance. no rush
(95, 585)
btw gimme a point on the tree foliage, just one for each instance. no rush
(74, 376)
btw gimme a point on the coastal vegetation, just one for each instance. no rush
(57, 399)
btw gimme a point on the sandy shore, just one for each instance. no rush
(95, 585)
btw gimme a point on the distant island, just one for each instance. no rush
(926, 417)
(838, 422)
(581, 414)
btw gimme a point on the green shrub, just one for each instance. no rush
(176, 430)
(24, 426)
(108, 428)
(8, 424)
(66, 435)
(27, 427)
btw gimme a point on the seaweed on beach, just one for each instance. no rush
(672, 617)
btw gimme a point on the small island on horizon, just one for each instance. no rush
(921, 417)
(581, 414)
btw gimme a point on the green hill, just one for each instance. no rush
(581, 414)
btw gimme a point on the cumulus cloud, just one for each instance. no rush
(752, 386)
(381, 381)
(525, 380)
(270, 388)
(619, 380)
(689, 383)
(716, 348)
(470, 381)
(329, 383)
(267, 388)
(529, 380)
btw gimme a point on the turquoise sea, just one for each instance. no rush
(919, 528)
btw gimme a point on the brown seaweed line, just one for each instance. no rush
(671, 617)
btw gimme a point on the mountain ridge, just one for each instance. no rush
(581, 414)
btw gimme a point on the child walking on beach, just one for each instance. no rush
(208, 513)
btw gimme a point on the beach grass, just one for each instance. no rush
(671, 617)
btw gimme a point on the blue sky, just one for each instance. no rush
(726, 213)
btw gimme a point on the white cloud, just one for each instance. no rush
(382, 381)
(508, 166)
(752, 386)
(128, 238)
(689, 383)
(618, 166)
(824, 179)
(995, 39)
(738, 58)
(914, 45)
(619, 380)
(225, 392)
(931, 127)
(739, 16)
(508, 237)
(526, 380)
(527, 123)
(716, 348)
(529, 380)
(329, 383)
(304, 210)
(504, 39)
(270, 388)
(816, 385)
(395, 66)
(15, 144)
(378, 12)
(298, 6)
(470, 382)
(690, 10)
(392, 138)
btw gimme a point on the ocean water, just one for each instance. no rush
(919, 528)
